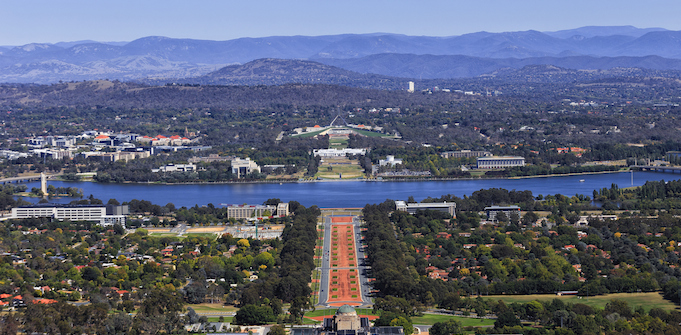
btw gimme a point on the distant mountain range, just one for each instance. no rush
(370, 56)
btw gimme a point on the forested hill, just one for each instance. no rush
(107, 94)
(270, 71)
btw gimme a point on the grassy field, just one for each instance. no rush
(370, 133)
(347, 171)
(338, 143)
(162, 234)
(309, 134)
(209, 235)
(646, 300)
(430, 319)
(212, 308)
(217, 319)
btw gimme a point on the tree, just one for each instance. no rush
(195, 292)
(10, 325)
(277, 330)
(160, 311)
(404, 323)
(298, 307)
(118, 324)
(449, 327)
(506, 319)
(534, 309)
(90, 273)
(254, 315)
(272, 202)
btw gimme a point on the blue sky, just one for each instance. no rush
(50, 21)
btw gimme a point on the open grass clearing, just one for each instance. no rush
(646, 300)
(370, 133)
(338, 171)
(309, 134)
(208, 235)
(430, 319)
(163, 234)
(212, 308)
(217, 319)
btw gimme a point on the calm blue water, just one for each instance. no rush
(347, 194)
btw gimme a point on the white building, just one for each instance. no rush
(105, 215)
(257, 211)
(465, 154)
(338, 152)
(500, 162)
(412, 208)
(390, 160)
(54, 141)
(244, 167)
(176, 168)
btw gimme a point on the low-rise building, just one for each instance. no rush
(500, 162)
(176, 168)
(105, 215)
(250, 211)
(390, 160)
(412, 208)
(244, 167)
(465, 154)
(493, 211)
(338, 152)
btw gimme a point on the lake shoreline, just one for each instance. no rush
(376, 180)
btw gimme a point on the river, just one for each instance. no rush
(348, 193)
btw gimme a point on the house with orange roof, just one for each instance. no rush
(44, 301)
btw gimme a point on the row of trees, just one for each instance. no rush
(261, 301)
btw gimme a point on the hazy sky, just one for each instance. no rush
(28, 21)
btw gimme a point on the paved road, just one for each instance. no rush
(326, 250)
(362, 266)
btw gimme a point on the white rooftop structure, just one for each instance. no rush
(412, 208)
(338, 152)
(390, 160)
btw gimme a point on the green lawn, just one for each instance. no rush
(209, 235)
(338, 143)
(213, 308)
(430, 319)
(162, 234)
(370, 133)
(347, 170)
(309, 134)
(217, 319)
(646, 300)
